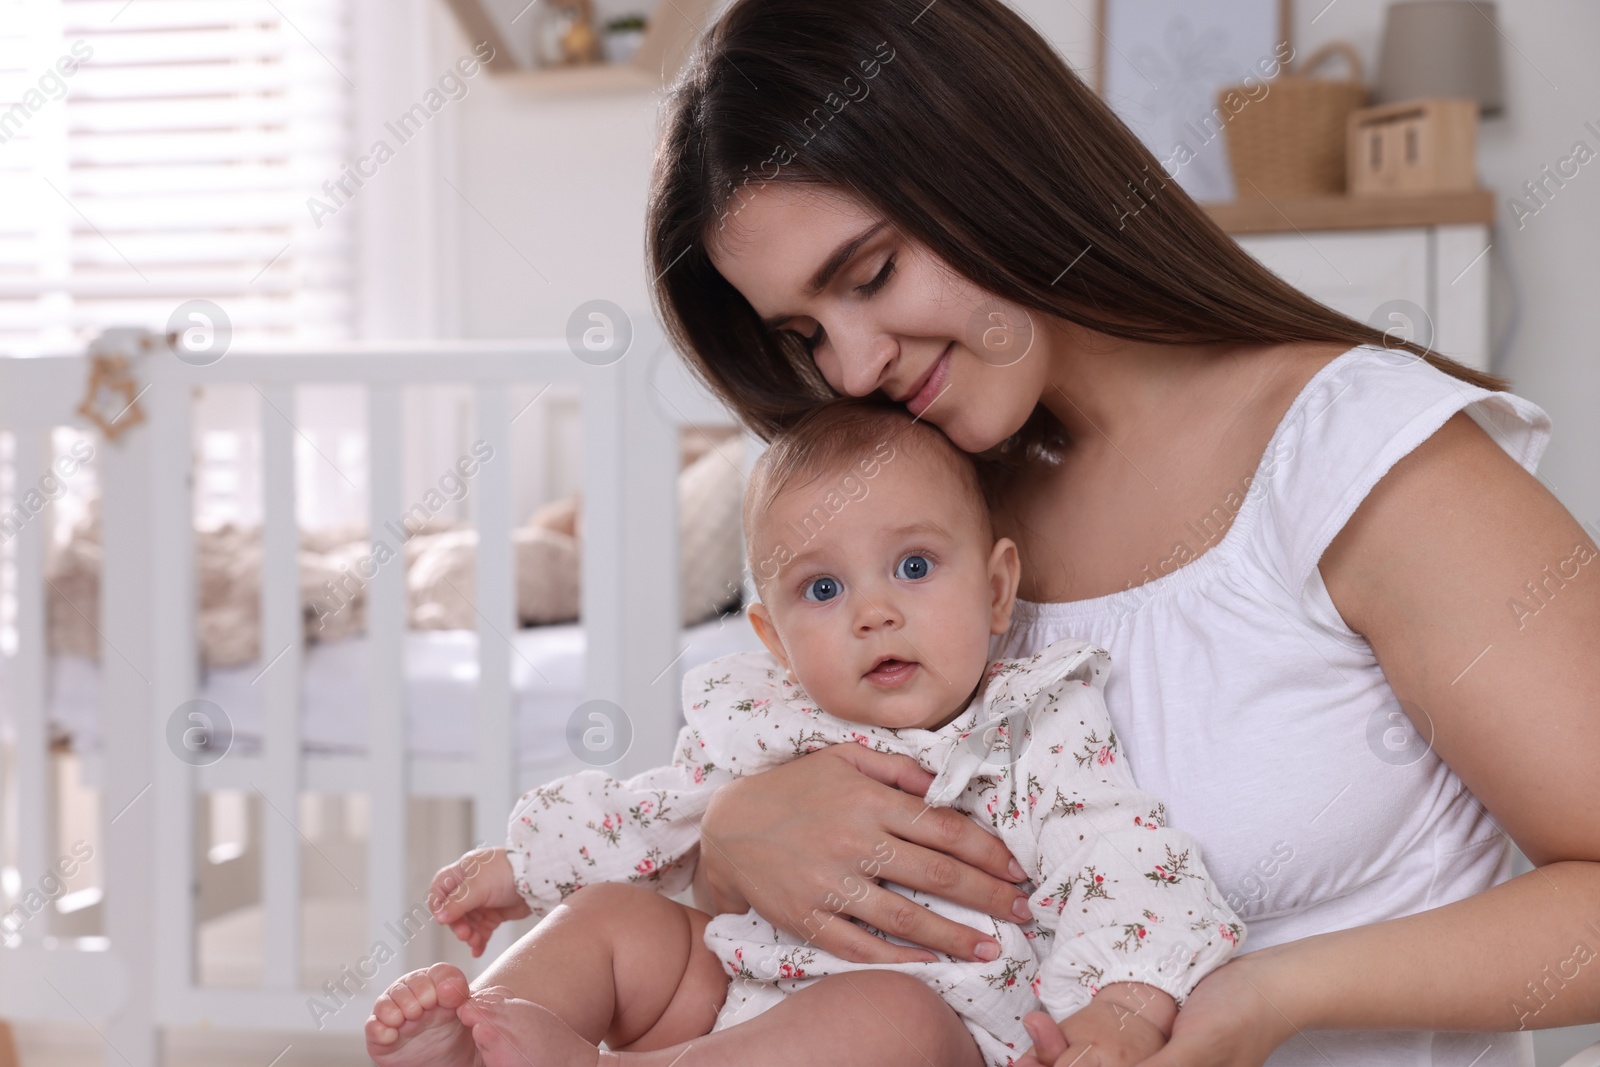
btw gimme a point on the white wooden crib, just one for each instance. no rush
(141, 977)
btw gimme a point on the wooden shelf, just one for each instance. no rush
(590, 78)
(670, 32)
(1275, 215)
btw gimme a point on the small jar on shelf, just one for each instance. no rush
(564, 34)
(622, 37)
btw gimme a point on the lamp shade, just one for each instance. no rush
(1440, 48)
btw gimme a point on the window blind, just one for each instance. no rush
(154, 152)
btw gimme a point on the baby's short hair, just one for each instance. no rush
(848, 436)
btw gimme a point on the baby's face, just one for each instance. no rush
(883, 603)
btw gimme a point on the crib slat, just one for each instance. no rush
(601, 585)
(281, 641)
(147, 489)
(28, 695)
(387, 750)
(649, 528)
(495, 584)
(630, 563)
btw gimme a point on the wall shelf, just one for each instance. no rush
(589, 78)
(670, 32)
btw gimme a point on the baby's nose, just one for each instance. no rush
(878, 616)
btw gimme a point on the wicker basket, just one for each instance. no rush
(1291, 141)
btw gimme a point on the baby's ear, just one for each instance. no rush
(1005, 572)
(761, 621)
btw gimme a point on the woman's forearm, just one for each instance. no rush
(706, 896)
(1522, 955)
(715, 895)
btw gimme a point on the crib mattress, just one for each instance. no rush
(441, 685)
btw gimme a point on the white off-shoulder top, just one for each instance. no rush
(1266, 725)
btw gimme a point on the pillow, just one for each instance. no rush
(442, 583)
(711, 553)
(441, 580)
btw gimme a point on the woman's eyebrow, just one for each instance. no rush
(831, 266)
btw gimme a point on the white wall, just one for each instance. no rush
(550, 208)
(563, 181)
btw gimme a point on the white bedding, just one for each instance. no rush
(441, 681)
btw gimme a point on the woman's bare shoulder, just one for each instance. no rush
(1451, 506)
(1480, 596)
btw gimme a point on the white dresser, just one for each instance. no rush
(1417, 265)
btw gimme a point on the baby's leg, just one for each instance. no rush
(612, 962)
(870, 1018)
(621, 963)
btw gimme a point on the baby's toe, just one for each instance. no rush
(420, 984)
(391, 1008)
(385, 1012)
(379, 1032)
(404, 1000)
(450, 985)
(487, 1035)
(482, 1006)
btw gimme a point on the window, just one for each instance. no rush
(154, 152)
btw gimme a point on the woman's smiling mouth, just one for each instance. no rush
(930, 389)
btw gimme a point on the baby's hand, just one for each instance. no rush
(475, 894)
(1126, 1023)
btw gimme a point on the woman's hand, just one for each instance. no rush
(804, 844)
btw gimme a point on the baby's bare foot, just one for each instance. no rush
(510, 1032)
(414, 1022)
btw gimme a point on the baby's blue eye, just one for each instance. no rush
(821, 589)
(913, 567)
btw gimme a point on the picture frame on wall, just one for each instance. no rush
(1160, 65)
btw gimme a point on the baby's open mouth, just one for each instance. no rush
(891, 671)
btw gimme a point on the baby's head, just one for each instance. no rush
(880, 576)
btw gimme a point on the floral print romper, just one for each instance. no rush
(1117, 895)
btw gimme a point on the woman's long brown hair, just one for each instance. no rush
(959, 124)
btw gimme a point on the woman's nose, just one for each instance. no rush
(864, 355)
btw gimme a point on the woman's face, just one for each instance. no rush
(887, 315)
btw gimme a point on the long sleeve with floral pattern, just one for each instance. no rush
(590, 827)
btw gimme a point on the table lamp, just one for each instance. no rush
(1440, 48)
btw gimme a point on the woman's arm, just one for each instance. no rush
(1431, 569)
(1435, 570)
(804, 843)
(1520, 956)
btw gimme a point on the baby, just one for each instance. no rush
(881, 583)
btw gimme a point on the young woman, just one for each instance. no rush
(1204, 468)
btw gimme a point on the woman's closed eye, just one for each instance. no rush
(879, 280)
(913, 568)
(869, 288)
